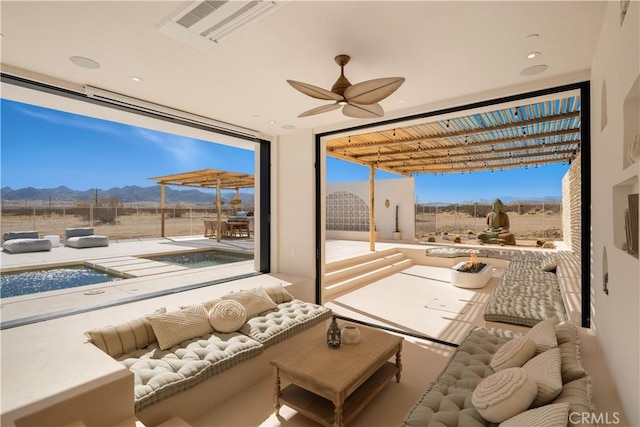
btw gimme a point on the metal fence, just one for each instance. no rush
(530, 220)
(117, 222)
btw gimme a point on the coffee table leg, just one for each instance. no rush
(276, 405)
(399, 362)
(337, 418)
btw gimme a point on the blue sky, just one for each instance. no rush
(45, 148)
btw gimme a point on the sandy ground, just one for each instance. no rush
(527, 227)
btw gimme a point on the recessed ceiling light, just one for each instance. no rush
(136, 79)
(83, 62)
(272, 122)
(532, 55)
(255, 116)
(536, 69)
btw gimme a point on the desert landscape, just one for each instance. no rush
(529, 222)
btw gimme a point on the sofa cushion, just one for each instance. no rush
(556, 415)
(124, 337)
(78, 232)
(255, 301)
(544, 369)
(278, 293)
(549, 264)
(504, 394)
(286, 320)
(10, 235)
(227, 316)
(513, 354)
(87, 241)
(544, 335)
(445, 406)
(577, 394)
(177, 326)
(160, 373)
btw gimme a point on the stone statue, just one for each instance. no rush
(498, 227)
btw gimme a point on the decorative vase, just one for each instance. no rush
(350, 335)
(333, 334)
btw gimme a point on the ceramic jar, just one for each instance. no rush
(350, 335)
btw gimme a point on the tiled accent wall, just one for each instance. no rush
(347, 212)
(575, 203)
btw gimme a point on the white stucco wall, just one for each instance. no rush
(400, 191)
(616, 316)
(293, 205)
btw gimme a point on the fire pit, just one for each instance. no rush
(471, 274)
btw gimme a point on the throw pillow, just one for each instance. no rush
(544, 335)
(570, 366)
(177, 326)
(124, 337)
(227, 316)
(544, 369)
(566, 332)
(549, 264)
(278, 293)
(555, 415)
(504, 394)
(513, 353)
(254, 301)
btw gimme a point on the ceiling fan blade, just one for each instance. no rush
(363, 111)
(372, 91)
(315, 91)
(318, 110)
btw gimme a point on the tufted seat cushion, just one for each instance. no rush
(447, 402)
(161, 373)
(287, 319)
(525, 296)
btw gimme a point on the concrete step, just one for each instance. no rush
(362, 266)
(354, 282)
(341, 264)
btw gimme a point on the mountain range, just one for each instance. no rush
(128, 194)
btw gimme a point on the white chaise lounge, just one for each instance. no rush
(24, 241)
(84, 238)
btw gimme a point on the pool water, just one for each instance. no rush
(32, 282)
(204, 259)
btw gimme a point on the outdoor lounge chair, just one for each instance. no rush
(84, 238)
(24, 241)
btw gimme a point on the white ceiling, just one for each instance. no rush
(446, 50)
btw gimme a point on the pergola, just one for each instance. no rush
(539, 133)
(205, 178)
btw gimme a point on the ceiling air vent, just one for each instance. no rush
(202, 24)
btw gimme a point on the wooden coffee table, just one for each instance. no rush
(332, 386)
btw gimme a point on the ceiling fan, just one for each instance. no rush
(359, 100)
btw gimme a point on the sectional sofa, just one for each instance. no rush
(174, 356)
(499, 376)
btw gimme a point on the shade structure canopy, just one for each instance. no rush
(522, 136)
(528, 134)
(208, 178)
(205, 178)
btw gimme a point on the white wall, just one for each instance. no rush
(399, 191)
(615, 317)
(293, 205)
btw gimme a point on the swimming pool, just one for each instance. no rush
(32, 282)
(204, 258)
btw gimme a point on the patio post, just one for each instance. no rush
(372, 217)
(162, 202)
(218, 204)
